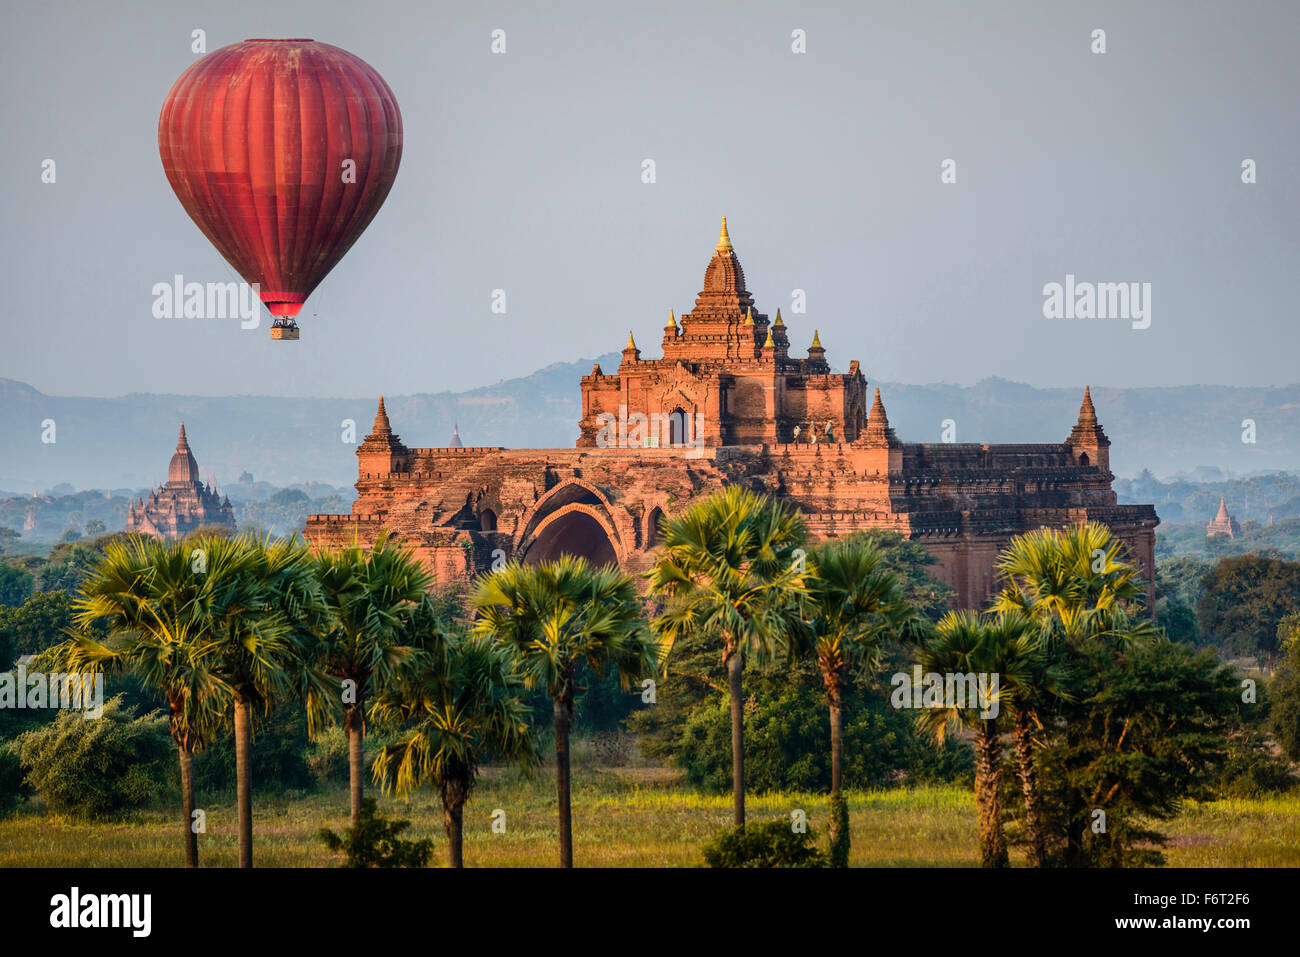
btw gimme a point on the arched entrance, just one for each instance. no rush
(572, 531)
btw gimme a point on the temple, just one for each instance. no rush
(184, 504)
(728, 404)
(1223, 523)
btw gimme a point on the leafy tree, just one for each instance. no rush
(1244, 601)
(731, 568)
(1284, 695)
(7, 537)
(787, 725)
(367, 596)
(459, 701)
(15, 585)
(93, 768)
(373, 841)
(558, 614)
(1146, 731)
(95, 527)
(853, 606)
(37, 624)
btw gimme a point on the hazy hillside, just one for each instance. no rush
(125, 442)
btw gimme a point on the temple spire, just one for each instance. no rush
(381, 419)
(878, 431)
(724, 241)
(817, 344)
(631, 343)
(182, 443)
(1223, 511)
(779, 323)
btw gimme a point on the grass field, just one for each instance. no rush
(623, 817)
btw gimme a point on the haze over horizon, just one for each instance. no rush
(522, 172)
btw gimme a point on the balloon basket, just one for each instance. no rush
(283, 332)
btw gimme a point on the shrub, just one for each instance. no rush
(374, 842)
(92, 768)
(278, 761)
(763, 844)
(788, 736)
(327, 756)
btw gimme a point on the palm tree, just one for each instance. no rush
(853, 605)
(964, 643)
(557, 615)
(731, 568)
(1074, 584)
(266, 619)
(368, 596)
(158, 611)
(1071, 580)
(460, 700)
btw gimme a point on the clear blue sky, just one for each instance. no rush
(522, 172)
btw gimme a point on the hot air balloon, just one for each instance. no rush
(282, 151)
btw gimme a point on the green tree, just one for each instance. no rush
(160, 615)
(94, 768)
(15, 585)
(1147, 731)
(459, 700)
(267, 615)
(1244, 601)
(39, 623)
(1074, 585)
(731, 567)
(964, 643)
(556, 615)
(853, 606)
(368, 595)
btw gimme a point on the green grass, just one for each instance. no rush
(623, 817)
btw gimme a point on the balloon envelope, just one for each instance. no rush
(282, 151)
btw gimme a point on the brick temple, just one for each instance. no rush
(728, 404)
(184, 504)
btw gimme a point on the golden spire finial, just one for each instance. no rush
(749, 316)
(631, 343)
(779, 320)
(817, 342)
(724, 241)
(672, 320)
(769, 344)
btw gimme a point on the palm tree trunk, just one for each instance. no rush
(187, 804)
(453, 820)
(988, 798)
(735, 685)
(356, 752)
(562, 779)
(1034, 823)
(243, 781)
(839, 822)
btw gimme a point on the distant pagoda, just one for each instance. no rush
(1223, 524)
(184, 504)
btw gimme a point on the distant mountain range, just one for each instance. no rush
(126, 442)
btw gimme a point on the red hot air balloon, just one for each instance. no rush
(282, 151)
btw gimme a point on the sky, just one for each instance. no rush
(523, 171)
